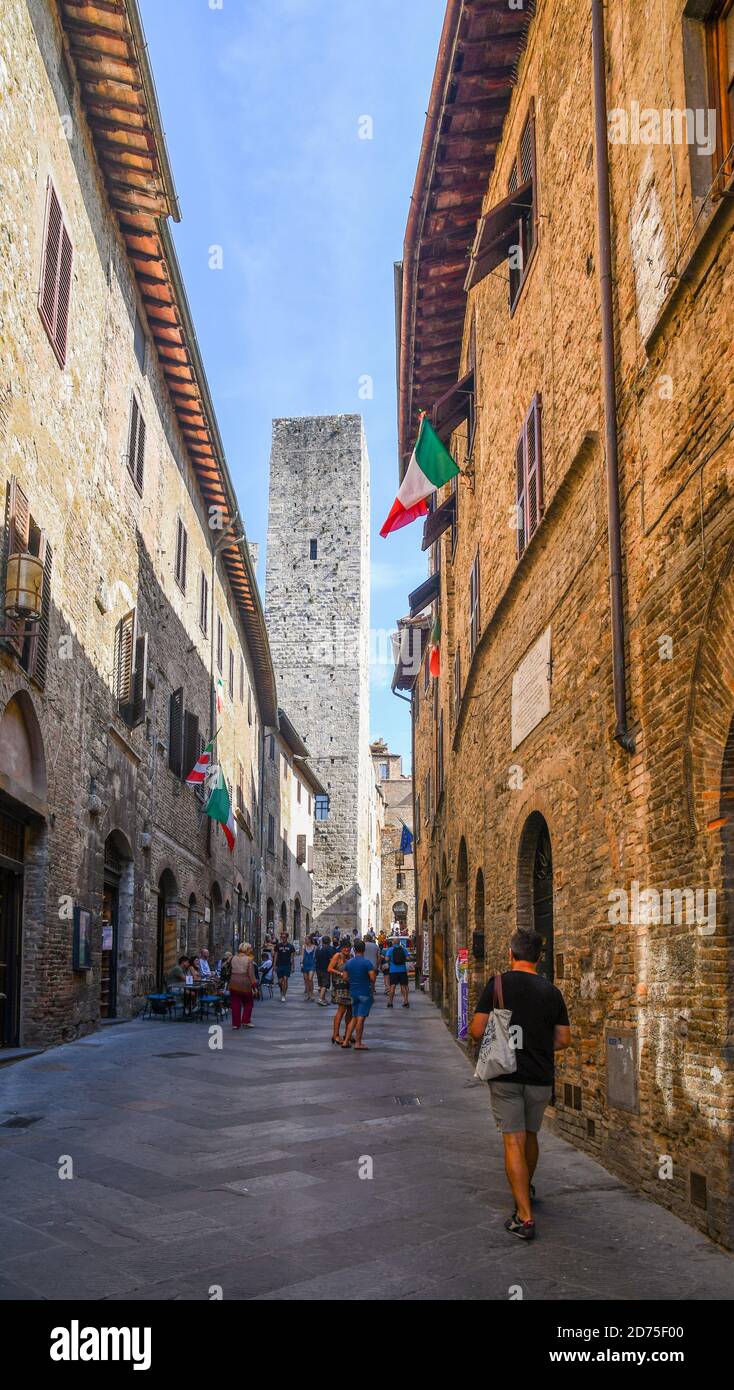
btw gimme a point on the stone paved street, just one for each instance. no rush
(239, 1168)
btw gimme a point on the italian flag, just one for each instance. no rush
(200, 770)
(219, 806)
(431, 465)
(434, 659)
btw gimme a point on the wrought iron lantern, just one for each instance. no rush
(24, 588)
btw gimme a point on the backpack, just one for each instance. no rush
(398, 955)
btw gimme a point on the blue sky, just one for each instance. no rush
(261, 103)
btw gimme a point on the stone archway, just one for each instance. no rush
(116, 985)
(166, 933)
(23, 869)
(535, 886)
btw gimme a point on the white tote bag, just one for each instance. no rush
(496, 1054)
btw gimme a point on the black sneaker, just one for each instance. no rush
(524, 1230)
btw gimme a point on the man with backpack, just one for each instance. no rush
(539, 1028)
(397, 962)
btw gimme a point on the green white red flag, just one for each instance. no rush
(219, 806)
(220, 694)
(201, 768)
(431, 466)
(434, 657)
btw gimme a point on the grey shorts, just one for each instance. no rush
(517, 1107)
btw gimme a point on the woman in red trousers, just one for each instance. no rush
(242, 986)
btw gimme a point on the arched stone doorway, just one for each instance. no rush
(297, 918)
(535, 886)
(216, 924)
(462, 881)
(165, 956)
(115, 979)
(23, 857)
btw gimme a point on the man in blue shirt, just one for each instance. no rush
(397, 959)
(362, 975)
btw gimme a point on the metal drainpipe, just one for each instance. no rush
(601, 160)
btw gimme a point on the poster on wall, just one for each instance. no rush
(82, 939)
(462, 980)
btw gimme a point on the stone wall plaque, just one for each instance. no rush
(531, 689)
(622, 1088)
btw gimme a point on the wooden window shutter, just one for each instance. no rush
(453, 407)
(16, 539)
(54, 294)
(136, 444)
(529, 473)
(191, 742)
(301, 849)
(140, 682)
(498, 230)
(125, 641)
(38, 662)
(520, 503)
(534, 483)
(175, 733)
(182, 545)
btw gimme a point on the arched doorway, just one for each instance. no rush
(535, 886)
(165, 957)
(726, 815)
(215, 919)
(23, 849)
(283, 917)
(400, 914)
(462, 881)
(270, 918)
(117, 913)
(297, 918)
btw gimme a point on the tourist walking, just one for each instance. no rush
(361, 978)
(242, 981)
(397, 965)
(308, 965)
(284, 953)
(340, 990)
(539, 1020)
(322, 958)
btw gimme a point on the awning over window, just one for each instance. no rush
(497, 232)
(439, 521)
(426, 593)
(451, 409)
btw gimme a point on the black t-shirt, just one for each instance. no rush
(285, 954)
(537, 1008)
(323, 956)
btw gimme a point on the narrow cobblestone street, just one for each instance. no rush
(238, 1168)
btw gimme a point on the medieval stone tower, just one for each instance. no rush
(317, 608)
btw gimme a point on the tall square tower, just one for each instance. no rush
(317, 600)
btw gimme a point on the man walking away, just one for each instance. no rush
(397, 960)
(284, 964)
(371, 950)
(361, 977)
(321, 961)
(540, 1027)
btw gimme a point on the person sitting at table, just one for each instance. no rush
(177, 975)
(224, 967)
(205, 969)
(195, 969)
(265, 968)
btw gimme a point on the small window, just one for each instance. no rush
(176, 733)
(384, 772)
(285, 848)
(298, 790)
(220, 645)
(314, 549)
(474, 611)
(204, 603)
(242, 679)
(54, 294)
(529, 477)
(136, 444)
(272, 748)
(301, 849)
(322, 807)
(182, 546)
(271, 834)
(249, 704)
(139, 342)
(231, 674)
(130, 670)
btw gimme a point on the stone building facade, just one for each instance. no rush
(398, 879)
(317, 606)
(290, 789)
(573, 771)
(112, 475)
